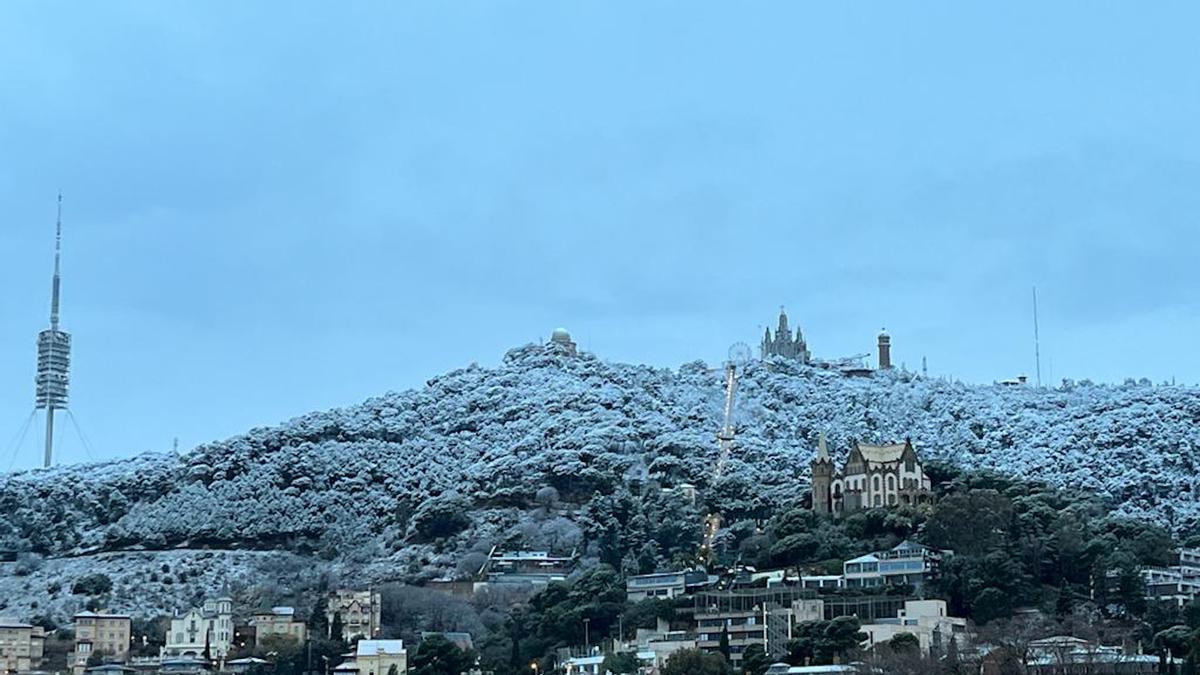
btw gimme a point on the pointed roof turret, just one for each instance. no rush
(822, 449)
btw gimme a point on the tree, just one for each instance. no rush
(620, 663)
(990, 604)
(905, 643)
(723, 644)
(318, 620)
(696, 662)
(92, 584)
(337, 629)
(971, 522)
(437, 655)
(96, 658)
(755, 660)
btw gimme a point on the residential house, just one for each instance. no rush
(666, 585)
(536, 568)
(378, 657)
(358, 610)
(206, 629)
(1068, 655)
(106, 634)
(278, 621)
(926, 619)
(908, 563)
(21, 645)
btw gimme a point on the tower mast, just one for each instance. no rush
(1037, 349)
(54, 352)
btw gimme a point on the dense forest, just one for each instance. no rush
(560, 452)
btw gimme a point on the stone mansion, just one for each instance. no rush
(873, 476)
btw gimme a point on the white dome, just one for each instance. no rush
(560, 334)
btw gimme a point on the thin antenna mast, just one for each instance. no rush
(1037, 349)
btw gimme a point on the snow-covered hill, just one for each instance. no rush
(384, 484)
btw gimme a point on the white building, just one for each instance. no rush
(666, 585)
(926, 619)
(208, 627)
(908, 563)
(378, 657)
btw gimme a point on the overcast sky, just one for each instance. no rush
(272, 208)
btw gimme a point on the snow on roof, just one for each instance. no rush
(9, 622)
(870, 557)
(882, 454)
(379, 647)
(94, 615)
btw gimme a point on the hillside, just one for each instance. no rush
(410, 485)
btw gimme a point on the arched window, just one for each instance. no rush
(891, 482)
(875, 483)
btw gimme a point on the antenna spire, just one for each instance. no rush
(1037, 349)
(54, 293)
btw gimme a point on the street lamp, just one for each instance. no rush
(587, 643)
(533, 667)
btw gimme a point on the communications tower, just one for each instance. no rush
(54, 354)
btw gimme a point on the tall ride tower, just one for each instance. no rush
(54, 354)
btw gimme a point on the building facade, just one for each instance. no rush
(926, 619)
(908, 563)
(376, 657)
(783, 344)
(358, 610)
(874, 476)
(107, 634)
(206, 628)
(21, 646)
(279, 621)
(665, 585)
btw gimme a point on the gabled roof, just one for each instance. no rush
(882, 454)
(910, 545)
(870, 557)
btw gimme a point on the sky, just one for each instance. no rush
(278, 207)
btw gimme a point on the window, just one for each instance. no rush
(875, 484)
(891, 482)
(878, 500)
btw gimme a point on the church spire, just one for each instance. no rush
(822, 449)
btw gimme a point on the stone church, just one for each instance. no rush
(783, 344)
(873, 476)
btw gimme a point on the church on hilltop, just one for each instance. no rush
(783, 344)
(873, 476)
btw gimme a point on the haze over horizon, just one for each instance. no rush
(270, 212)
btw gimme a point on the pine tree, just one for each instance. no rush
(337, 629)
